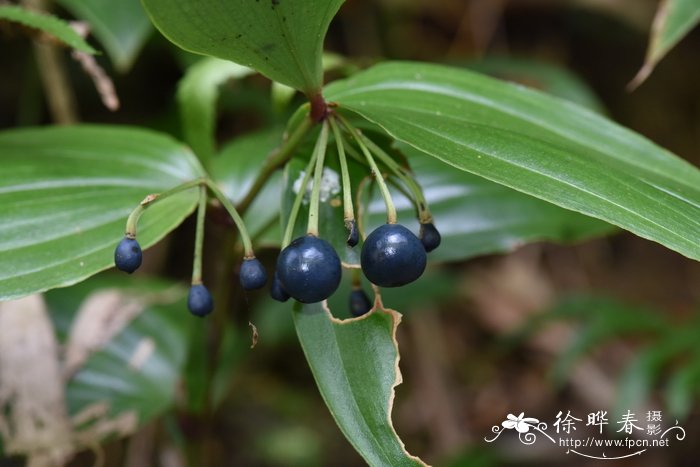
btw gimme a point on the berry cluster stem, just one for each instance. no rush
(348, 210)
(405, 176)
(314, 203)
(390, 208)
(199, 236)
(245, 238)
(294, 213)
(149, 200)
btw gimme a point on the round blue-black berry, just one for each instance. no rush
(353, 234)
(277, 292)
(128, 255)
(392, 256)
(253, 275)
(199, 301)
(359, 302)
(429, 236)
(309, 269)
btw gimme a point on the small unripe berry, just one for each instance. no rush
(429, 236)
(359, 302)
(128, 255)
(253, 275)
(199, 301)
(353, 234)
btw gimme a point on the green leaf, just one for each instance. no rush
(121, 27)
(197, 94)
(476, 216)
(674, 19)
(65, 195)
(235, 170)
(48, 24)
(281, 39)
(546, 77)
(148, 385)
(534, 143)
(355, 364)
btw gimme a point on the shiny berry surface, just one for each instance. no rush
(309, 269)
(392, 256)
(199, 301)
(253, 275)
(429, 236)
(128, 255)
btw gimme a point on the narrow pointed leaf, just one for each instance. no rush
(47, 23)
(355, 364)
(197, 94)
(281, 39)
(674, 19)
(65, 194)
(537, 144)
(122, 27)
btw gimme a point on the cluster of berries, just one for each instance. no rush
(308, 268)
(128, 255)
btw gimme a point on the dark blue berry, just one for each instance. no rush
(199, 301)
(309, 269)
(359, 302)
(429, 236)
(253, 275)
(277, 292)
(353, 234)
(392, 256)
(128, 255)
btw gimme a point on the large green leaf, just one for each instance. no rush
(355, 364)
(197, 94)
(674, 19)
(48, 24)
(537, 144)
(281, 39)
(476, 216)
(65, 194)
(122, 27)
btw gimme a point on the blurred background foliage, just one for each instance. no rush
(606, 324)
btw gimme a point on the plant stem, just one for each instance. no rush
(245, 238)
(390, 208)
(314, 203)
(348, 210)
(199, 237)
(151, 199)
(276, 159)
(289, 230)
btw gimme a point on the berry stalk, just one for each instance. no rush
(390, 208)
(245, 238)
(348, 210)
(151, 199)
(314, 203)
(199, 237)
(294, 213)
